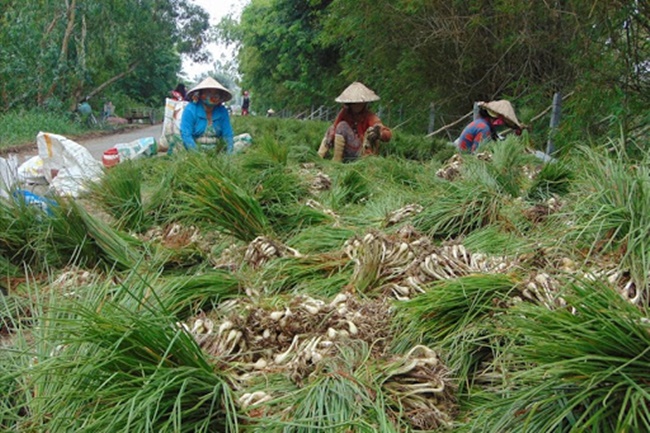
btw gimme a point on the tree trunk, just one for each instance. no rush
(77, 96)
(71, 13)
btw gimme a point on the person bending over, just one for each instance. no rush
(356, 131)
(492, 115)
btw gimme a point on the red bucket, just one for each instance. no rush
(111, 158)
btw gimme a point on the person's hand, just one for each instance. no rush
(373, 133)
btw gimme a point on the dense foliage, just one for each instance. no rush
(57, 53)
(299, 54)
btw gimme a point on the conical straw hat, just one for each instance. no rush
(504, 109)
(355, 93)
(211, 83)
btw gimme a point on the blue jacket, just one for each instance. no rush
(195, 121)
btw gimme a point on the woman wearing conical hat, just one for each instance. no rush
(491, 115)
(356, 131)
(205, 120)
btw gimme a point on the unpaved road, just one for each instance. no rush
(98, 144)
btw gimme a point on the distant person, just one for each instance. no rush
(179, 93)
(84, 108)
(86, 113)
(491, 115)
(356, 130)
(205, 119)
(245, 104)
(109, 110)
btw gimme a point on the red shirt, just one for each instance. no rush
(361, 122)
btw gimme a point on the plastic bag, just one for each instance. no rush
(31, 199)
(171, 125)
(8, 174)
(32, 171)
(145, 146)
(241, 142)
(67, 165)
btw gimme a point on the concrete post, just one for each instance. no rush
(555, 122)
(432, 118)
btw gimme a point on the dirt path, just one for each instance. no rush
(95, 143)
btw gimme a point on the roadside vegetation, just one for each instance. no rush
(275, 291)
(21, 127)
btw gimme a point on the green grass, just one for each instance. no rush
(582, 370)
(123, 370)
(554, 179)
(611, 214)
(322, 275)
(106, 352)
(219, 200)
(22, 127)
(460, 208)
(461, 317)
(119, 193)
(347, 396)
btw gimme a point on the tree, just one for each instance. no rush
(280, 53)
(453, 52)
(71, 50)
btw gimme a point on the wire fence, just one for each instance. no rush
(428, 120)
(416, 119)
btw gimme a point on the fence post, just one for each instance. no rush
(555, 122)
(432, 118)
(476, 110)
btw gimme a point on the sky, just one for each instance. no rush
(217, 10)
